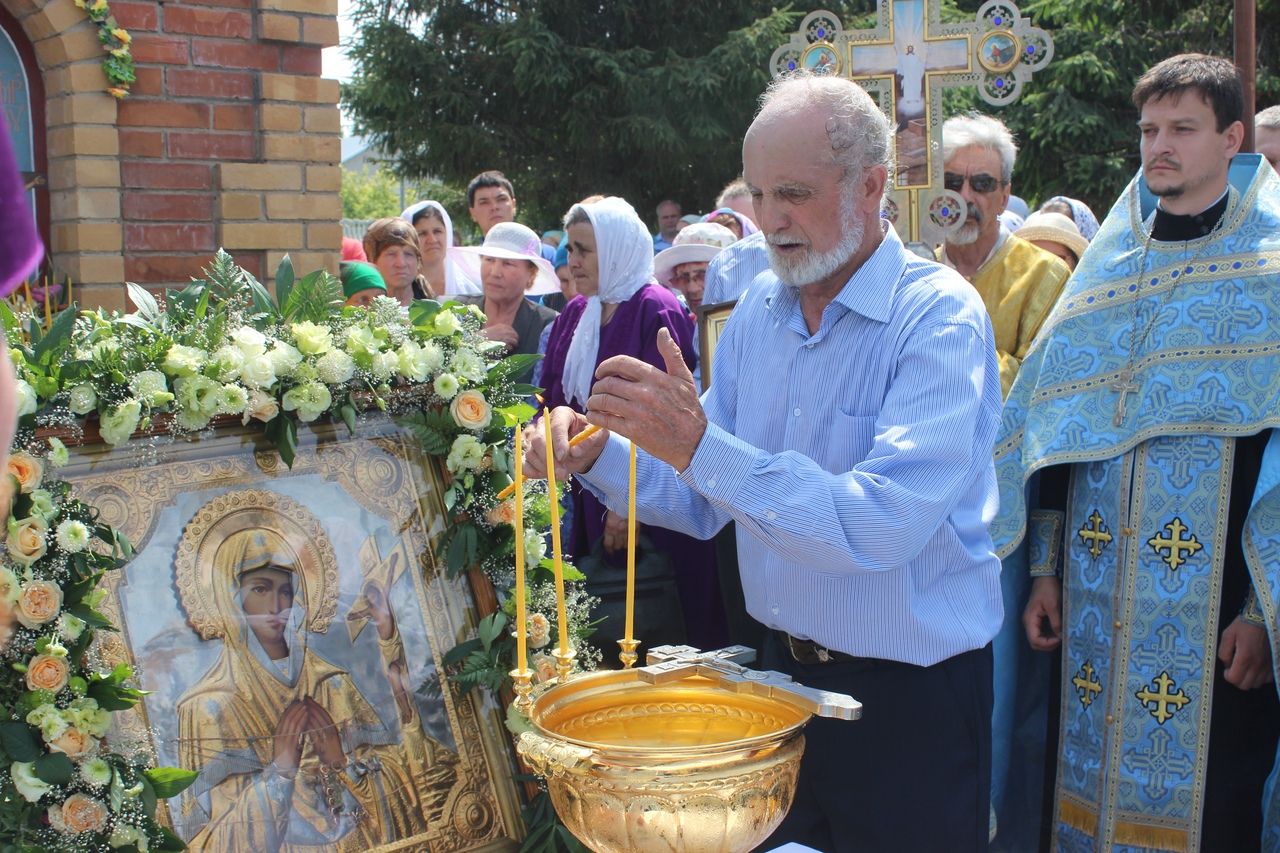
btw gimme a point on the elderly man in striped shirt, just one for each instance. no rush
(849, 434)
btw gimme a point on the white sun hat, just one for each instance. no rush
(700, 242)
(512, 241)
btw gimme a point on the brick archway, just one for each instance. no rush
(83, 148)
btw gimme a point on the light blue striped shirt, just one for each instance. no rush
(856, 462)
(731, 272)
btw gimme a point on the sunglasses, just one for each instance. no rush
(981, 183)
(686, 277)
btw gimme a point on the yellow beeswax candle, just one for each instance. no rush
(522, 621)
(557, 557)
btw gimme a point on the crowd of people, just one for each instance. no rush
(1021, 498)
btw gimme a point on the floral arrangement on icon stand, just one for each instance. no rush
(224, 350)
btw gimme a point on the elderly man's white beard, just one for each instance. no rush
(812, 267)
(970, 231)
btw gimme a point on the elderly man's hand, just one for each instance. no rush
(565, 423)
(658, 411)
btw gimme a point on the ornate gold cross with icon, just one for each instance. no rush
(1160, 699)
(905, 63)
(1175, 544)
(1095, 535)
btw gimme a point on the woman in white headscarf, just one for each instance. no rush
(435, 237)
(618, 311)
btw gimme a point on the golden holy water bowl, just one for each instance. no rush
(693, 754)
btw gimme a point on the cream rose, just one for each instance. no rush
(81, 813)
(28, 541)
(29, 785)
(503, 513)
(471, 410)
(74, 744)
(27, 469)
(262, 406)
(46, 672)
(539, 631)
(38, 603)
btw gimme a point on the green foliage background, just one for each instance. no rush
(650, 98)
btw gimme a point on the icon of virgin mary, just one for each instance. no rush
(292, 755)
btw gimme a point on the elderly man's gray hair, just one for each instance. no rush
(1268, 119)
(982, 131)
(858, 130)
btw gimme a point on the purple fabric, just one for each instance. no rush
(748, 226)
(633, 331)
(20, 249)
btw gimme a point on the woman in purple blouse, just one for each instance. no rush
(618, 311)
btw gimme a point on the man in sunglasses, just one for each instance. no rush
(1019, 283)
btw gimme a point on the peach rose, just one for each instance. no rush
(28, 540)
(39, 602)
(503, 513)
(544, 668)
(27, 469)
(83, 814)
(74, 744)
(46, 672)
(471, 410)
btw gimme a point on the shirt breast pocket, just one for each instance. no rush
(851, 440)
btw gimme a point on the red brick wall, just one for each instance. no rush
(212, 147)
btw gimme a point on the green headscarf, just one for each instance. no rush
(357, 276)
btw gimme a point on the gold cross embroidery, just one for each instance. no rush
(1095, 535)
(1161, 698)
(1175, 544)
(1085, 683)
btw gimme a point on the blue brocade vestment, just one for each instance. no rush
(1150, 437)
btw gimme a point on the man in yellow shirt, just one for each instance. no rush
(1018, 282)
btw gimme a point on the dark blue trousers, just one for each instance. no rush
(913, 775)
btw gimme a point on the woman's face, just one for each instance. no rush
(398, 265)
(431, 237)
(584, 263)
(266, 595)
(566, 282)
(364, 298)
(505, 280)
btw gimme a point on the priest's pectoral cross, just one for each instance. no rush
(1124, 385)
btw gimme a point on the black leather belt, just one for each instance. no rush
(810, 653)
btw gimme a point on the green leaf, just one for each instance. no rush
(169, 781)
(19, 741)
(490, 628)
(9, 321)
(348, 413)
(169, 842)
(313, 298)
(460, 652)
(148, 796)
(282, 430)
(147, 307)
(516, 414)
(57, 338)
(54, 768)
(422, 312)
(512, 366)
(284, 280)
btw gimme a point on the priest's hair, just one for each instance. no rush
(859, 132)
(1268, 119)
(975, 129)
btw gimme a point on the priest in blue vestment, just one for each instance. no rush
(1139, 469)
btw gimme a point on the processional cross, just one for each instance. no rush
(905, 63)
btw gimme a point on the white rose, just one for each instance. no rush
(151, 387)
(362, 343)
(249, 341)
(447, 324)
(228, 360)
(311, 338)
(535, 547)
(285, 359)
(258, 371)
(27, 401)
(82, 399)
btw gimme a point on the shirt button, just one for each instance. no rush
(775, 610)
(771, 515)
(796, 412)
(1109, 719)
(1126, 531)
(1116, 624)
(711, 484)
